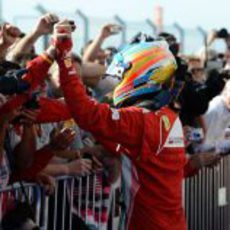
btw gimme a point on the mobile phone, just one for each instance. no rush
(196, 135)
(116, 29)
(72, 25)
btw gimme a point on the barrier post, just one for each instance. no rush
(123, 24)
(205, 40)
(40, 8)
(152, 26)
(181, 34)
(85, 20)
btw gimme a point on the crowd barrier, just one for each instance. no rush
(77, 202)
(81, 201)
(207, 198)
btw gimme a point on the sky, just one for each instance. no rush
(188, 13)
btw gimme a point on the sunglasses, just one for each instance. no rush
(196, 70)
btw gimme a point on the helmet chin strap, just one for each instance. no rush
(147, 104)
(158, 101)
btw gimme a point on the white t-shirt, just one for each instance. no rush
(217, 120)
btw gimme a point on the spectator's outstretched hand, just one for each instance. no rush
(29, 116)
(109, 30)
(93, 153)
(62, 139)
(69, 154)
(201, 160)
(45, 24)
(80, 167)
(47, 182)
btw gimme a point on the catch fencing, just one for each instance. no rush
(191, 39)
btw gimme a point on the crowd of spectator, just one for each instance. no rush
(36, 145)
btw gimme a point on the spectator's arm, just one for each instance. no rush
(68, 154)
(92, 73)
(44, 27)
(4, 122)
(78, 167)
(56, 170)
(23, 46)
(24, 151)
(60, 140)
(91, 51)
(200, 160)
(106, 160)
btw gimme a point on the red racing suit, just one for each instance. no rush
(152, 147)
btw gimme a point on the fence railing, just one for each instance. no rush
(89, 201)
(207, 198)
(191, 39)
(78, 203)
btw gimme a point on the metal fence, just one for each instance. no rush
(191, 39)
(14, 193)
(78, 203)
(82, 201)
(207, 198)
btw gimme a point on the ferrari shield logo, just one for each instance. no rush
(166, 122)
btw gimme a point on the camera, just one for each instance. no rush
(196, 135)
(116, 29)
(141, 37)
(11, 82)
(72, 24)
